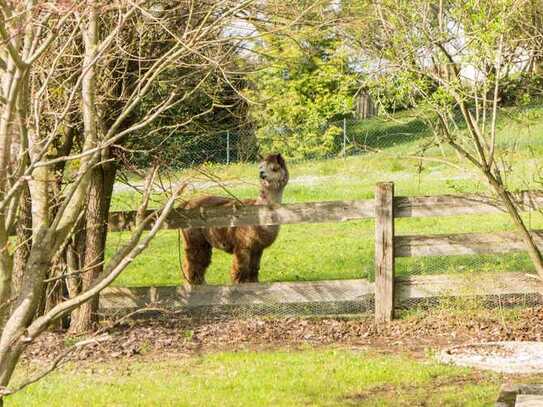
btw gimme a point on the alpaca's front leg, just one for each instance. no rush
(254, 265)
(197, 258)
(194, 268)
(241, 266)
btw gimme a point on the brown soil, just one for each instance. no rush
(169, 334)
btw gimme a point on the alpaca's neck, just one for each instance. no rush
(270, 196)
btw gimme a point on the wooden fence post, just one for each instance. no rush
(384, 252)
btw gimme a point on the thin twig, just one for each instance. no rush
(219, 183)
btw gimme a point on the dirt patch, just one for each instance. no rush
(180, 335)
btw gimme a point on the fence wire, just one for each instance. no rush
(352, 137)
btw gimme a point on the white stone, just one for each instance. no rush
(503, 357)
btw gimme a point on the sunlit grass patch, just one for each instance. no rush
(321, 377)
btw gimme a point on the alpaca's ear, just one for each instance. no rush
(281, 160)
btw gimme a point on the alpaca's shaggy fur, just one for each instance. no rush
(246, 243)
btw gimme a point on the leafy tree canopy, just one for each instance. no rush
(301, 95)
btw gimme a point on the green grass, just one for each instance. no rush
(333, 251)
(316, 377)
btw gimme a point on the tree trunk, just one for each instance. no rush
(10, 85)
(24, 240)
(26, 305)
(99, 201)
(73, 255)
(91, 266)
(533, 250)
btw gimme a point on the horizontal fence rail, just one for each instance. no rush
(242, 294)
(467, 204)
(461, 243)
(286, 297)
(328, 212)
(243, 215)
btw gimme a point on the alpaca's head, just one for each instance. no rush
(273, 172)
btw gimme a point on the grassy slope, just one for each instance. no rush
(280, 378)
(311, 252)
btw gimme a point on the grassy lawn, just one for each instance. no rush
(332, 251)
(317, 377)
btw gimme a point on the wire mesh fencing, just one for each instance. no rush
(344, 138)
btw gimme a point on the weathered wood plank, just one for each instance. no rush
(407, 291)
(384, 252)
(462, 243)
(328, 211)
(309, 212)
(468, 204)
(243, 294)
(410, 289)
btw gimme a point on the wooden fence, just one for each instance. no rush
(388, 291)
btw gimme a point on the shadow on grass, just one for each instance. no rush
(378, 133)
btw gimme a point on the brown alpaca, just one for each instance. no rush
(246, 243)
